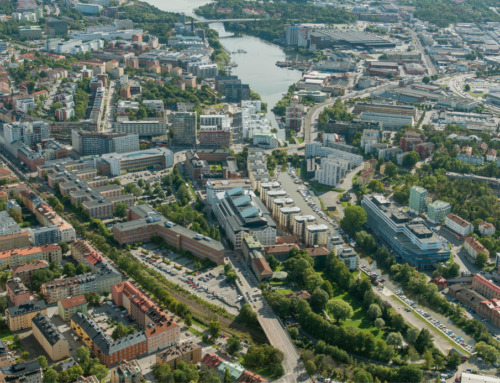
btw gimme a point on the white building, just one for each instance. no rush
(333, 241)
(389, 120)
(348, 256)
(267, 140)
(317, 150)
(23, 104)
(219, 120)
(331, 171)
(214, 186)
(458, 225)
(75, 46)
(316, 235)
(88, 9)
(486, 228)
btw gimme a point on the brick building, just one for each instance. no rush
(187, 352)
(17, 292)
(25, 271)
(16, 257)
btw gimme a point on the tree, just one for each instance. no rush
(121, 331)
(16, 215)
(413, 355)
(162, 373)
(25, 355)
(64, 247)
(439, 362)
(247, 315)
(412, 335)
(310, 367)
(409, 374)
(410, 159)
(83, 353)
(141, 183)
(363, 377)
(82, 269)
(354, 218)
(398, 322)
(454, 361)
(42, 360)
(204, 338)
(395, 339)
(319, 299)
(374, 311)
(391, 170)
(99, 370)
(429, 360)
(487, 352)
(214, 327)
(379, 323)
(50, 376)
(294, 332)
(424, 340)
(69, 269)
(481, 260)
(227, 268)
(341, 310)
(188, 321)
(121, 210)
(273, 262)
(16, 340)
(426, 80)
(227, 376)
(233, 345)
(467, 87)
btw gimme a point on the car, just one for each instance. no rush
(255, 306)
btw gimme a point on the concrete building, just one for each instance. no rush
(365, 177)
(458, 225)
(317, 150)
(237, 92)
(143, 222)
(20, 317)
(17, 292)
(385, 107)
(44, 235)
(187, 352)
(301, 222)
(25, 271)
(418, 199)
(412, 242)
(114, 163)
(50, 338)
(126, 372)
(95, 143)
(30, 32)
(316, 235)
(70, 306)
(348, 256)
(19, 256)
(471, 159)
(286, 215)
(331, 171)
(185, 128)
(215, 186)
(88, 9)
(26, 372)
(389, 120)
(437, 211)
(486, 228)
(144, 128)
(215, 136)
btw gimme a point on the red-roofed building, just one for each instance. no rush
(68, 307)
(261, 269)
(287, 239)
(491, 155)
(25, 271)
(485, 287)
(490, 310)
(164, 334)
(84, 253)
(250, 377)
(211, 361)
(440, 282)
(486, 228)
(280, 252)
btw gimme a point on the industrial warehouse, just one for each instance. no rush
(321, 39)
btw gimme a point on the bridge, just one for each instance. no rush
(223, 21)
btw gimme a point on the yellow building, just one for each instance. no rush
(50, 338)
(19, 256)
(474, 247)
(5, 359)
(20, 317)
(365, 177)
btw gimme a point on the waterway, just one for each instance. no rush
(256, 67)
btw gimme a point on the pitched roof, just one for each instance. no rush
(317, 251)
(486, 225)
(476, 245)
(489, 285)
(40, 264)
(250, 377)
(71, 302)
(278, 249)
(211, 360)
(299, 294)
(287, 239)
(458, 220)
(262, 266)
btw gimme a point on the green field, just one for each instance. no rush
(6, 335)
(284, 291)
(215, 166)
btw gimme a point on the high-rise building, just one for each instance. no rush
(185, 132)
(56, 27)
(418, 199)
(316, 235)
(92, 143)
(437, 211)
(237, 92)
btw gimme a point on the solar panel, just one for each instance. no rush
(237, 190)
(242, 201)
(250, 212)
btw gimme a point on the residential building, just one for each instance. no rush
(44, 235)
(316, 235)
(88, 9)
(187, 352)
(185, 128)
(5, 358)
(17, 292)
(365, 177)
(25, 372)
(216, 136)
(98, 143)
(88, 379)
(418, 200)
(143, 222)
(30, 32)
(295, 114)
(412, 242)
(437, 211)
(20, 317)
(211, 361)
(19, 256)
(99, 282)
(237, 92)
(491, 155)
(127, 371)
(471, 159)
(66, 308)
(331, 171)
(458, 225)
(241, 213)
(300, 223)
(149, 127)
(50, 338)
(486, 228)
(25, 270)
(113, 163)
(286, 215)
(250, 377)
(348, 256)
(317, 150)
(333, 241)
(474, 247)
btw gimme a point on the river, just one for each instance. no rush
(257, 67)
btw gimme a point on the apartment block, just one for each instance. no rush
(44, 235)
(20, 317)
(25, 372)
(300, 222)
(458, 225)
(286, 216)
(94, 143)
(50, 338)
(112, 164)
(216, 136)
(316, 235)
(437, 211)
(474, 247)
(484, 287)
(17, 292)
(144, 128)
(5, 358)
(418, 199)
(16, 257)
(486, 228)
(127, 371)
(70, 306)
(187, 352)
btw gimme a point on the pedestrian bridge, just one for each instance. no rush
(223, 21)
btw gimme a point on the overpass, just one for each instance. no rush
(223, 21)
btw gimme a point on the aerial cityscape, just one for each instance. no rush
(239, 191)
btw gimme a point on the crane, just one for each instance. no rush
(213, 94)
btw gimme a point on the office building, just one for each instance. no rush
(44, 235)
(30, 32)
(458, 225)
(237, 92)
(19, 256)
(88, 9)
(56, 27)
(20, 317)
(70, 306)
(216, 136)
(385, 107)
(185, 128)
(112, 164)
(187, 352)
(144, 128)
(316, 235)
(410, 240)
(17, 292)
(437, 211)
(241, 213)
(222, 81)
(25, 271)
(50, 338)
(215, 186)
(127, 371)
(143, 223)
(331, 38)
(389, 120)
(418, 199)
(94, 143)
(25, 372)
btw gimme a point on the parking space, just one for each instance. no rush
(210, 285)
(147, 175)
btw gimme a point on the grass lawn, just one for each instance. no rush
(301, 139)
(215, 166)
(6, 335)
(199, 324)
(284, 291)
(195, 332)
(476, 94)
(298, 170)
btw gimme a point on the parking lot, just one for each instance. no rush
(147, 175)
(210, 285)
